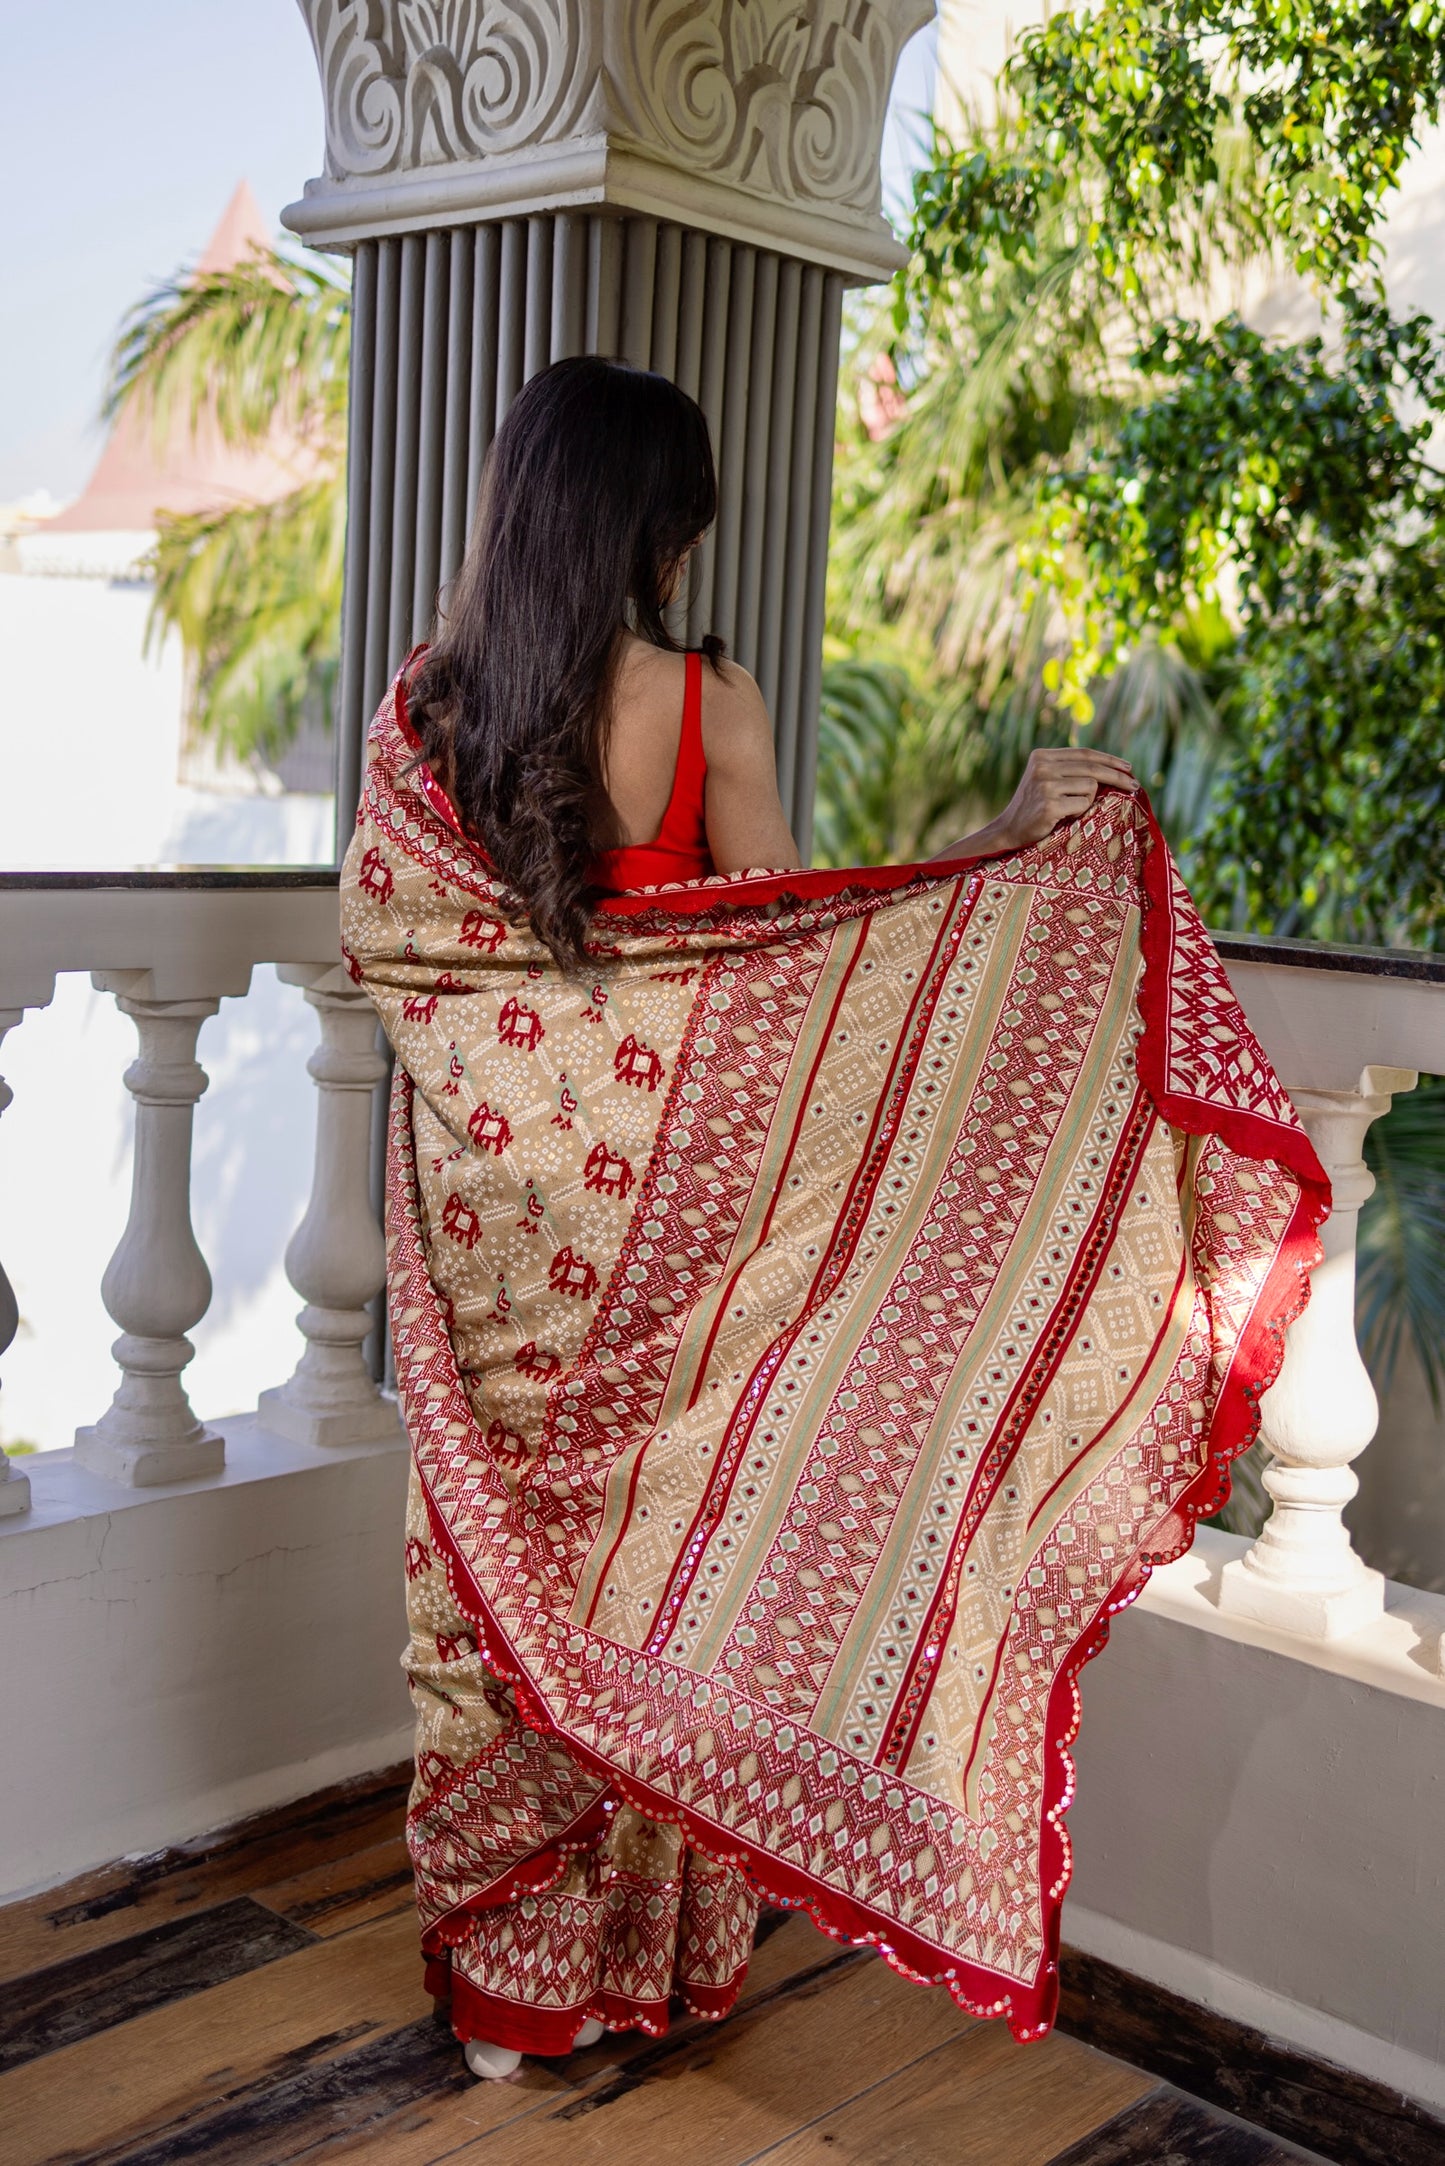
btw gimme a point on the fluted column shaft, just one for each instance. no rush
(448, 326)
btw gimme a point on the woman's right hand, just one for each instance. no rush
(1058, 784)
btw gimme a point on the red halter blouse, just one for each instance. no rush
(680, 851)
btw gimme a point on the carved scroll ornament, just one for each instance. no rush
(428, 82)
(782, 98)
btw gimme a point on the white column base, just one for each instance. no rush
(367, 1419)
(1303, 1574)
(149, 1465)
(14, 1492)
(330, 1398)
(148, 1434)
(1323, 1613)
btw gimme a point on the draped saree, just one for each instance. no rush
(811, 1324)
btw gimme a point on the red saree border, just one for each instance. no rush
(1029, 2011)
(476, 2013)
(534, 1874)
(1248, 1135)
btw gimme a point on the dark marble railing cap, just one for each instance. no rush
(1416, 963)
(178, 877)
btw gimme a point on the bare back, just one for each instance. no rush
(747, 828)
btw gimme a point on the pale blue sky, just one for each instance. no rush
(123, 131)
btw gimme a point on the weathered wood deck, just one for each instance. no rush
(258, 1997)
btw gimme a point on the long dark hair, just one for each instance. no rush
(598, 481)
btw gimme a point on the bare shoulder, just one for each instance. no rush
(649, 677)
(736, 729)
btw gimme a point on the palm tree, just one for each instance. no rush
(254, 589)
(1008, 372)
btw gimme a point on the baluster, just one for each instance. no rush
(156, 1286)
(14, 1486)
(1303, 1573)
(336, 1259)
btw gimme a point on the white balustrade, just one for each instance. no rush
(336, 1259)
(14, 1486)
(1303, 1572)
(1345, 1039)
(156, 1286)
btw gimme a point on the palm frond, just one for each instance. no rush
(1400, 1258)
(266, 342)
(254, 589)
(892, 772)
(255, 593)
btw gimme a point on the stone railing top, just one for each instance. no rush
(758, 119)
(1418, 964)
(1327, 1014)
(170, 879)
(1322, 1013)
(195, 932)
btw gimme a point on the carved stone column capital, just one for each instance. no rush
(761, 120)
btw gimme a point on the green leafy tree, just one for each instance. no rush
(253, 589)
(1008, 345)
(1105, 509)
(1262, 511)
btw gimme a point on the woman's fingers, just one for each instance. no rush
(1075, 760)
(1062, 781)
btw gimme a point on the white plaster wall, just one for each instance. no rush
(90, 741)
(177, 1658)
(1258, 1825)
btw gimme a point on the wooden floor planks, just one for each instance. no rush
(1241, 2071)
(256, 1999)
(266, 1851)
(1168, 2129)
(779, 2067)
(169, 2067)
(343, 1892)
(92, 1992)
(978, 2100)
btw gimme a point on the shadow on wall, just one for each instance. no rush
(255, 1130)
(1230, 1811)
(1397, 1521)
